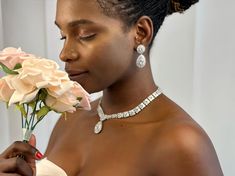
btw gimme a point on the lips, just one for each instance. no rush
(75, 74)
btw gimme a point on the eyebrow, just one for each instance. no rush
(77, 23)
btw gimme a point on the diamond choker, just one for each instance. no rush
(126, 114)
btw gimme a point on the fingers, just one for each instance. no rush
(11, 164)
(15, 165)
(21, 148)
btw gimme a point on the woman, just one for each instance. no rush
(133, 129)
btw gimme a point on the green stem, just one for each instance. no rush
(22, 120)
(26, 124)
(32, 122)
(27, 111)
(37, 122)
(33, 113)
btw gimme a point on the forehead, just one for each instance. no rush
(73, 10)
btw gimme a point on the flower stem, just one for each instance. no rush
(22, 120)
(31, 122)
(37, 122)
(26, 124)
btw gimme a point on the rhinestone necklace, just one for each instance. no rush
(126, 114)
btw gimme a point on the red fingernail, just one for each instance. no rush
(38, 155)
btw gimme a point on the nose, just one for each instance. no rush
(69, 53)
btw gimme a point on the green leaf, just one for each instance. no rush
(17, 66)
(7, 70)
(32, 104)
(43, 94)
(22, 110)
(42, 112)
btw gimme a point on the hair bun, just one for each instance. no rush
(180, 5)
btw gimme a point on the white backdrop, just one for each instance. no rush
(193, 61)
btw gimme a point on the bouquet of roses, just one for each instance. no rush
(36, 87)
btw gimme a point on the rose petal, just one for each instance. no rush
(58, 106)
(29, 97)
(80, 92)
(5, 91)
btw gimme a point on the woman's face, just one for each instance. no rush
(97, 52)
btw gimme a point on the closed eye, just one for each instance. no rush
(87, 37)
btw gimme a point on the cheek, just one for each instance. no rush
(112, 58)
(118, 50)
(107, 60)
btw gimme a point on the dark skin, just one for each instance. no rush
(13, 165)
(162, 140)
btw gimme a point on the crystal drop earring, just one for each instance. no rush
(141, 60)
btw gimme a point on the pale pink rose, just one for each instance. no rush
(23, 92)
(41, 73)
(58, 90)
(34, 75)
(11, 56)
(78, 91)
(38, 73)
(56, 79)
(69, 99)
(5, 91)
(64, 103)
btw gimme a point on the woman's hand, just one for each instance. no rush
(11, 164)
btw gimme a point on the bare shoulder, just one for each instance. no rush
(182, 147)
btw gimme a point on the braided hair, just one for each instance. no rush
(129, 11)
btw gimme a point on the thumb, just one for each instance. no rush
(32, 140)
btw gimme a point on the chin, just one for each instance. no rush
(90, 88)
(89, 84)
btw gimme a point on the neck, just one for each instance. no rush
(128, 92)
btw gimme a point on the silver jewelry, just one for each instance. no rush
(126, 114)
(141, 60)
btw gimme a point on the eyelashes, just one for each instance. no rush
(87, 37)
(62, 38)
(82, 37)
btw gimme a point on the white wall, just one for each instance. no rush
(172, 57)
(192, 61)
(1, 27)
(23, 25)
(25, 28)
(214, 70)
(53, 42)
(4, 132)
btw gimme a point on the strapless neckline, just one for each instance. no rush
(46, 167)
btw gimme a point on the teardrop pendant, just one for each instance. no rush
(98, 127)
(141, 61)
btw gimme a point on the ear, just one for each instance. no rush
(143, 31)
